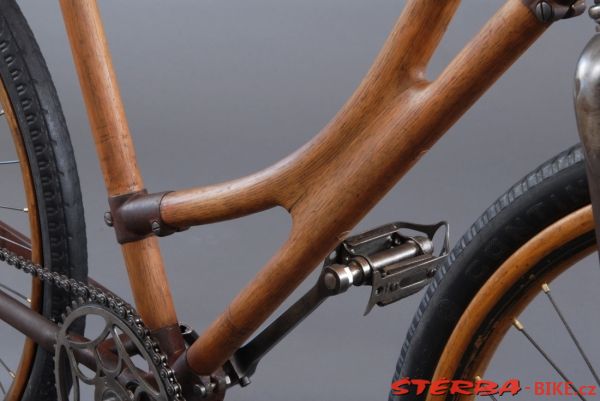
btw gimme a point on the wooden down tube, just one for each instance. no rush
(116, 153)
(394, 117)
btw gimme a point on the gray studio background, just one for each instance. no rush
(218, 89)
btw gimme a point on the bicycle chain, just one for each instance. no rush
(90, 294)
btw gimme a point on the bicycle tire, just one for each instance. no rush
(46, 140)
(552, 191)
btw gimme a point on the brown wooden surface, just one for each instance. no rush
(394, 117)
(504, 323)
(19, 383)
(554, 236)
(369, 119)
(116, 153)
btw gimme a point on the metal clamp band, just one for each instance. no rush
(554, 10)
(136, 216)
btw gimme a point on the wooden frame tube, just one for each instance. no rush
(400, 65)
(329, 185)
(116, 152)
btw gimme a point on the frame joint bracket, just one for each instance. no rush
(553, 10)
(136, 215)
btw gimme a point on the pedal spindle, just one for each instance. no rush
(394, 263)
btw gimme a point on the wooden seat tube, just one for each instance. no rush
(116, 153)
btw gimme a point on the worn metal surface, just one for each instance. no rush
(136, 215)
(587, 110)
(28, 322)
(112, 363)
(554, 10)
(394, 263)
(46, 333)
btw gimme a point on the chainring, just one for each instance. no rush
(128, 363)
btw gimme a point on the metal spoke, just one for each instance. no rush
(9, 162)
(17, 209)
(491, 396)
(10, 372)
(546, 290)
(16, 293)
(2, 388)
(519, 326)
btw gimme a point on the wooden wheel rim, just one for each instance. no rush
(563, 231)
(17, 388)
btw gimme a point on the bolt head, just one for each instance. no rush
(200, 390)
(155, 227)
(244, 381)
(330, 281)
(544, 11)
(108, 220)
(594, 12)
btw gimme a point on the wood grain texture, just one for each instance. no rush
(396, 73)
(488, 349)
(567, 229)
(394, 117)
(102, 96)
(149, 283)
(116, 153)
(34, 243)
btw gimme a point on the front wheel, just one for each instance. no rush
(470, 315)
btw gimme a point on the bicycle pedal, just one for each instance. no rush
(394, 263)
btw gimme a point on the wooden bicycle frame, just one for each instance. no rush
(328, 185)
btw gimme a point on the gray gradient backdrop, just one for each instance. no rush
(218, 89)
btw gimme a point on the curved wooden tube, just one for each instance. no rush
(398, 69)
(393, 118)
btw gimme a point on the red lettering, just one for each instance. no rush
(462, 387)
(569, 389)
(557, 388)
(439, 387)
(398, 386)
(421, 385)
(512, 386)
(485, 387)
(538, 388)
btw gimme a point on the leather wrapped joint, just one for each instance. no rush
(136, 216)
(554, 10)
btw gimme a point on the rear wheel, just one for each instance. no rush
(41, 214)
(534, 234)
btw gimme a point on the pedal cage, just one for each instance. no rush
(393, 263)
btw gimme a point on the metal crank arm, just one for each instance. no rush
(392, 262)
(587, 110)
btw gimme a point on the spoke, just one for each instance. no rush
(16, 293)
(2, 388)
(491, 396)
(519, 326)
(10, 372)
(546, 290)
(9, 162)
(17, 209)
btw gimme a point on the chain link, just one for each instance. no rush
(88, 294)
